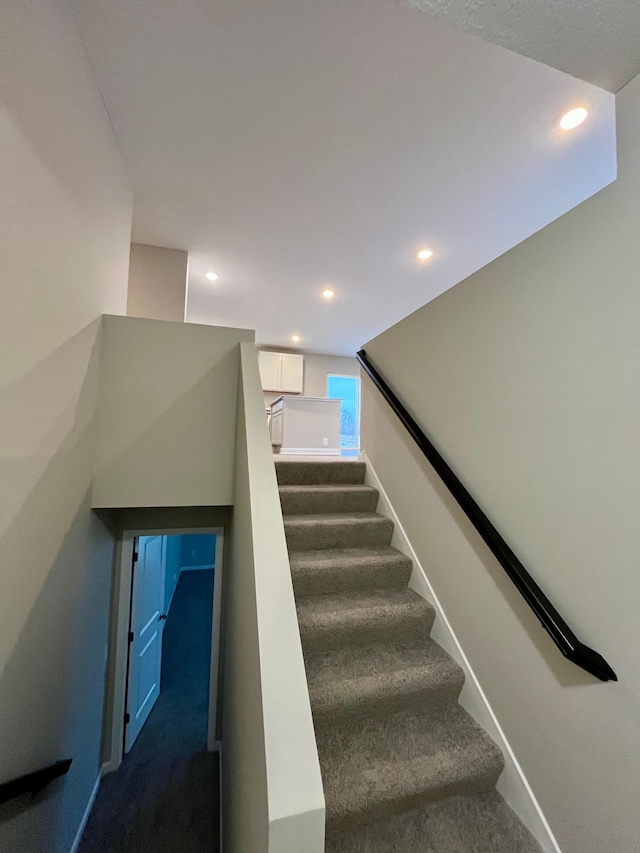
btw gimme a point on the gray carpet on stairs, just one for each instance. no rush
(405, 769)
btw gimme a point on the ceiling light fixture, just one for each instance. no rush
(573, 118)
(327, 294)
(211, 276)
(295, 338)
(425, 254)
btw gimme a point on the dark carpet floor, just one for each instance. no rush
(164, 797)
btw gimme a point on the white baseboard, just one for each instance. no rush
(109, 767)
(309, 451)
(87, 812)
(512, 784)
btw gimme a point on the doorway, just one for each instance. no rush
(347, 389)
(158, 573)
(164, 791)
(150, 568)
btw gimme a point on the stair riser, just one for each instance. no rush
(351, 632)
(331, 711)
(318, 503)
(319, 473)
(482, 824)
(363, 534)
(478, 783)
(336, 579)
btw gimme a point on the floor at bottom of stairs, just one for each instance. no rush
(478, 824)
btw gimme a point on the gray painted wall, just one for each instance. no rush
(157, 283)
(198, 550)
(172, 568)
(268, 728)
(166, 431)
(180, 555)
(245, 819)
(526, 377)
(316, 368)
(65, 225)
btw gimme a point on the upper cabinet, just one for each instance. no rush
(292, 373)
(270, 370)
(281, 371)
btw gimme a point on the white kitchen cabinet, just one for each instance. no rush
(281, 371)
(270, 370)
(292, 370)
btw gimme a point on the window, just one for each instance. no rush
(347, 389)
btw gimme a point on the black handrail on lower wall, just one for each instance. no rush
(33, 782)
(554, 624)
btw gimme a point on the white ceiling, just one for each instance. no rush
(595, 40)
(294, 144)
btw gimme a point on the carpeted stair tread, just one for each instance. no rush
(333, 570)
(332, 621)
(366, 679)
(292, 473)
(337, 530)
(402, 761)
(328, 498)
(483, 823)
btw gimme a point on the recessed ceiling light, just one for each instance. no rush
(295, 338)
(211, 276)
(425, 254)
(573, 118)
(327, 294)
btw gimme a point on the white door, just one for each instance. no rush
(145, 638)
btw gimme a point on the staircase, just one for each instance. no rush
(405, 769)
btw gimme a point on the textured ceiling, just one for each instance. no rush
(594, 40)
(299, 144)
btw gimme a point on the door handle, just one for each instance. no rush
(162, 616)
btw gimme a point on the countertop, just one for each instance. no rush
(299, 397)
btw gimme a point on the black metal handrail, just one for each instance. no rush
(33, 782)
(552, 622)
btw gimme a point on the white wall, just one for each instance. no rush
(316, 368)
(271, 783)
(157, 282)
(526, 377)
(166, 432)
(65, 225)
